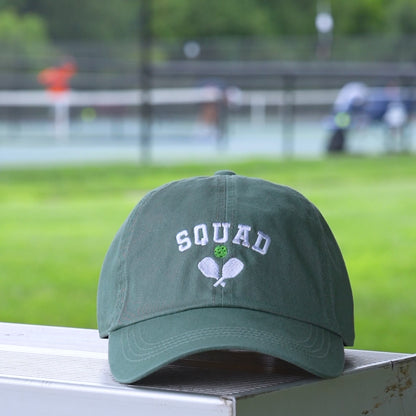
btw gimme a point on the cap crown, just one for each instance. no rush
(225, 241)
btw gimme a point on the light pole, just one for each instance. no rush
(324, 24)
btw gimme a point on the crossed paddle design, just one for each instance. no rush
(209, 268)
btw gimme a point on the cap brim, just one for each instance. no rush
(140, 349)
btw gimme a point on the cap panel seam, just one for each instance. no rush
(331, 290)
(330, 282)
(124, 248)
(230, 214)
(329, 315)
(220, 202)
(115, 312)
(225, 211)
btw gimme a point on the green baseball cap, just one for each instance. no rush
(224, 262)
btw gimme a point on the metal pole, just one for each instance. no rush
(145, 78)
(288, 115)
(222, 120)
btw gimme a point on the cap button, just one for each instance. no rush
(225, 172)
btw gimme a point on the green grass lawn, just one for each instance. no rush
(57, 223)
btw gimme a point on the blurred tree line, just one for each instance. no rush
(36, 33)
(26, 21)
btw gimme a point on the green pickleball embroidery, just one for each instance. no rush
(220, 251)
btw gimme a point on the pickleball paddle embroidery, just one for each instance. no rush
(210, 269)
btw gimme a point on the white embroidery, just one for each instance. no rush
(225, 226)
(201, 235)
(210, 269)
(242, 235)
(261, 239)
(184, 242)
(230, 270)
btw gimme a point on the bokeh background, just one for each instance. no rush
(102, 100)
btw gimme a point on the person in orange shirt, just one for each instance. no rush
(56, 79)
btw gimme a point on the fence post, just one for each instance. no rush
(145, 78)
(288, 115)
